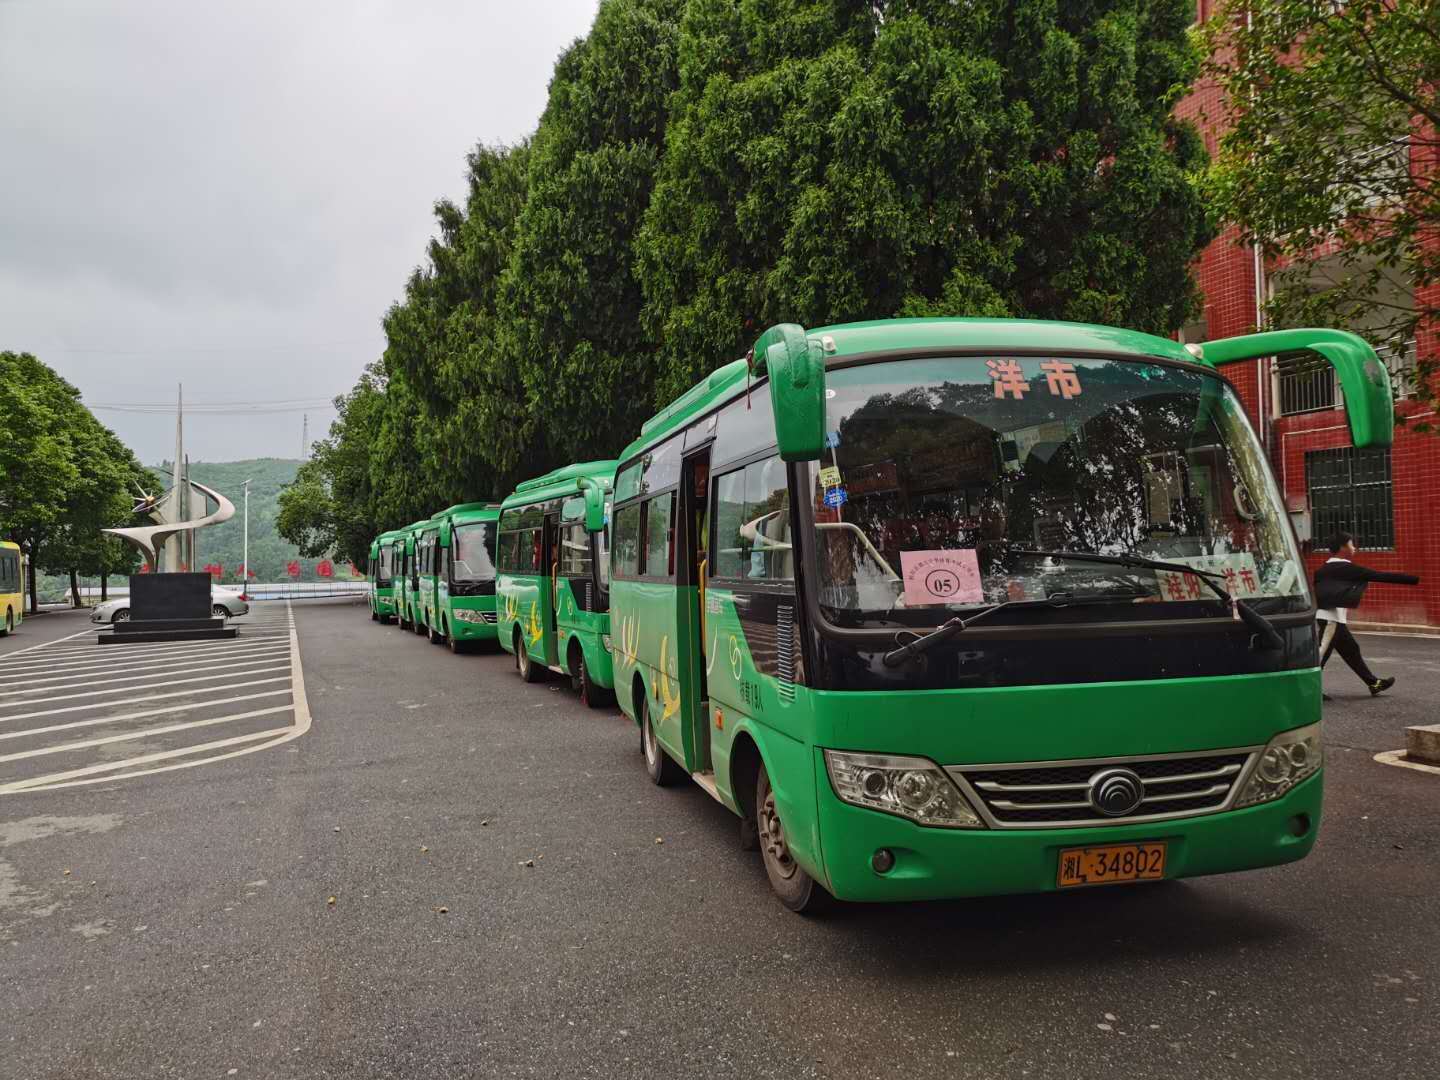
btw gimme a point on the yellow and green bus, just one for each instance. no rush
(384, 572)
(553, 591)
(953, 607)
(12, 587)
(457, 575)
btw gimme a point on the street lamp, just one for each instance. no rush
(245, 544)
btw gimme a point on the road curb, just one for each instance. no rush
(1400, 759)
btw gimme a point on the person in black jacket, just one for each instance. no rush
(1340, 584)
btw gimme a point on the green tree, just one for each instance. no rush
(1330, 165)
(571, 300)
(830, 161)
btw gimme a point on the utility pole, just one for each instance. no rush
(245, 544)
(305, 436)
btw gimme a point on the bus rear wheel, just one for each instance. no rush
(529, 670)
(796, 889)
(661, 767)
(417, 625)
(436, 637)
(9, 622)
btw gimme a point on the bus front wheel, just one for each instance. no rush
(374, 615)
(662, 769)
(9, 622)
(796, 889)
(529, 670)
(456, 646)
(436, 638)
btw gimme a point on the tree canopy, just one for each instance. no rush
(1330, 165)
(705, 168)
(63, 475)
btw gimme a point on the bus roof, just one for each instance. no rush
(9, 544)
(564, 481)
(471, 511)
(911, 335)
(393, 534)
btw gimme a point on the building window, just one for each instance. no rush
(1307, 382)
(1351, 491)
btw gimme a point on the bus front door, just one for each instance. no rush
(552, 571)
(693, 568)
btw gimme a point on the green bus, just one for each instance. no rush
(386, 555)
(457, 575)
(952, 607)
(407, 593)
(553, 587)
(12, 587)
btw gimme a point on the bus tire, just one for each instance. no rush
(9, 622)
(374, 615)
(659, 765)
(592, 694)
(529, 670)
(436, 638)
(796, 889)
(417, 625)
(456, 646)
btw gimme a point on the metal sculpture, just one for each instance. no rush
(151, 539)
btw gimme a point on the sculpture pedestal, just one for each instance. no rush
(169, 607)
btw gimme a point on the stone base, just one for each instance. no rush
(1423, 744)
(138, 630)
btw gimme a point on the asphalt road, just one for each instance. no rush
(178, 925)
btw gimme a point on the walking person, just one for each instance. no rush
(1340, 585)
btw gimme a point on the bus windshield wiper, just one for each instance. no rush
(1239, 609)
(948, 629)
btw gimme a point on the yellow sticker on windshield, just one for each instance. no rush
(830, 477)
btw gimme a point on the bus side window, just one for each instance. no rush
(659, 556)
(627, 541)
(730, 550)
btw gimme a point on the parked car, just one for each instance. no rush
(224, 604)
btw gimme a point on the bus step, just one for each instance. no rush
(707, 781)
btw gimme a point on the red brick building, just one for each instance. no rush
(1387, 498)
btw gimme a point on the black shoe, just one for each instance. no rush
(1379, 686)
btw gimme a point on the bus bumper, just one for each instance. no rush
(462, 629)
(933, 863)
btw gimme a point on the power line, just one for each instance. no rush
(275, 347)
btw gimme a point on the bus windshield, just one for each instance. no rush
(943, 478)
(474, 554)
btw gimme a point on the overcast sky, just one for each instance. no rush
(230, 195)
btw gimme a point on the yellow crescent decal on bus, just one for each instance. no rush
(629, 639)
(534, 628)
(512, 608)
(670, 697)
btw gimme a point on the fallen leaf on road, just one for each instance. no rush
(528, 862)
(423, 849)
(331, 901)
(443, 910)
(65, 872)
(659, 839)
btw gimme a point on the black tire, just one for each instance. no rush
(456, 647)
(386, 620)
(529, 670)
(417, 625)
(219, 611)
(592, 694)
(9, 622)
(659, 765)
(436, 638)
(374, 615)
(796, 889)
(122, 615)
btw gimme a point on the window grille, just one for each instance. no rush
(1307, 383)
(1351, 491)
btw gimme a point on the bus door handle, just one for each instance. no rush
(555, 585)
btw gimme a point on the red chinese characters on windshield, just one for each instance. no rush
(1061, 379)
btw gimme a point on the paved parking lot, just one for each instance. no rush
(73, 712)
(455, 874)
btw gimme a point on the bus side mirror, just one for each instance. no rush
(797, 389)
(1364, 382)
(594, 510)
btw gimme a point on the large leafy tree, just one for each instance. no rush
(63, 475)
(831, 161)
(572, 301)
(1331, 162)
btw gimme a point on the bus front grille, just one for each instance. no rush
(1054, 794)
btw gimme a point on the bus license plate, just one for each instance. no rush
(1111, 864)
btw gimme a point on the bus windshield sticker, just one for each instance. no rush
(835, 497)
(941, 577)
(830, 477)
(1242, 580)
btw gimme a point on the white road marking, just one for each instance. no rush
(110, 654)
(132, 689)
(132, 701)
(32, 648)
(175, 662)
(244, 744)
(141, 714)
(140, 733)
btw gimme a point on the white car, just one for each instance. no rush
(224, 604)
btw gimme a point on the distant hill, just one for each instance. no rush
(220, 545)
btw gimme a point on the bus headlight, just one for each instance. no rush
(469, 615)
(912, 787)
(1289, 758)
